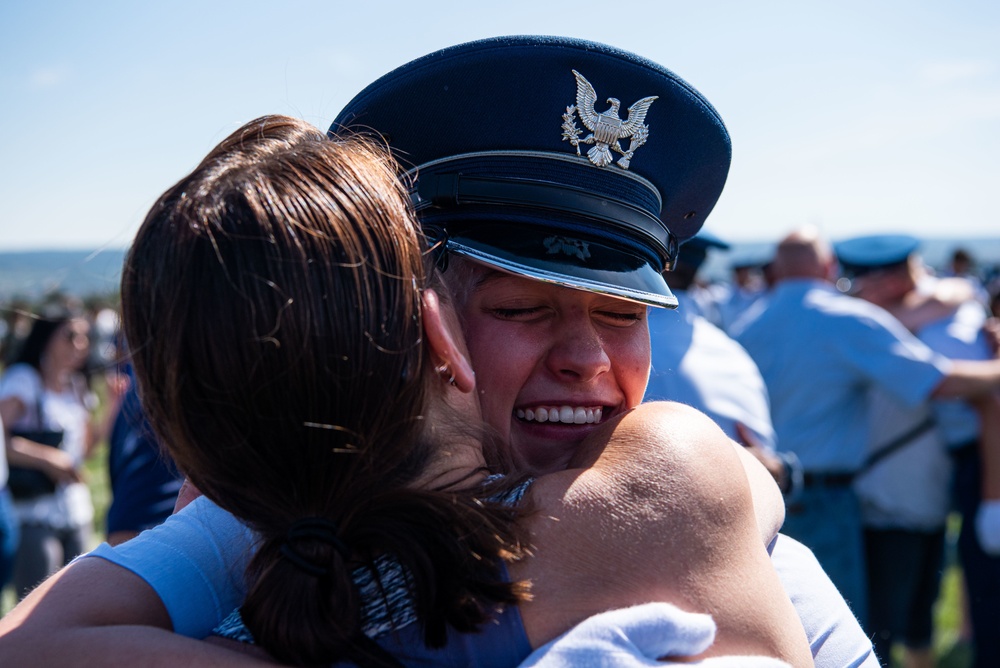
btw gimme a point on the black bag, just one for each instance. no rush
(27, 483)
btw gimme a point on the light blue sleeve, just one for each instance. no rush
(835, 636)
(890, 357)
(194, 562)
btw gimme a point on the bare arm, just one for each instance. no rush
(988, 515)
(988, 407)
(69, 620)
(969, 379)
(663, 512)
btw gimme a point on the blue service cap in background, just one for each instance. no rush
(695, 250)
(865, 254)
(559, 159)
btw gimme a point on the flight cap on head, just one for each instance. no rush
(862, 255)
(558, 159)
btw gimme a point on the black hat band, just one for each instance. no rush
(451, 189)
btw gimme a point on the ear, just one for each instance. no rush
(442, 335)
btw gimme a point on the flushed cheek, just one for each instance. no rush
(630, 362)
(502, 366)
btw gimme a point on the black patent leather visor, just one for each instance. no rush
(580, 264)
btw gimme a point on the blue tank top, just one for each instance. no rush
(391, 620)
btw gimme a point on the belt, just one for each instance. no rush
(827, 479)
(964, 450)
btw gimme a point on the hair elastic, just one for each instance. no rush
(313, 528)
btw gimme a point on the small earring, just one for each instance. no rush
(445, 370)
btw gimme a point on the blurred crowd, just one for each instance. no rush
(831, 363)
(843, 368)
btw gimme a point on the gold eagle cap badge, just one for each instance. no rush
(606, 127)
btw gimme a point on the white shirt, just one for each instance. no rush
(70, 506)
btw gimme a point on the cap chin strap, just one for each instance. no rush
(446, 190)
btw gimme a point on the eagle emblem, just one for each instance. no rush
(606, 127)
(575, 247)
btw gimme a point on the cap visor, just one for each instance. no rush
(571, 263)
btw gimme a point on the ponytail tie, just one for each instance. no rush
(313, 528)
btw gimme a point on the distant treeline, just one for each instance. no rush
(30, 275)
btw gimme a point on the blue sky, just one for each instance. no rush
(855, 116)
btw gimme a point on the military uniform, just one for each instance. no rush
(820, 352)
(957, 335)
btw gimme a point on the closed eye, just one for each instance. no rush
(516, 313)
(633, 316)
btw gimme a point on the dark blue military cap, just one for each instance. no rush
(695, 250)
(558, 159)
(863, 255)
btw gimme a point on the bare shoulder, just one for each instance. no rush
(664, 446)
(661, 479)
(946, 296)
(658, 508)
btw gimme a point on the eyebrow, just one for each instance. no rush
(488, 276)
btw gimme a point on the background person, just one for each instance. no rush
(9, 531)
(820, 352)
(946, 314)
(696, 363)
(43, 390)
(144, 480)
(746, 287)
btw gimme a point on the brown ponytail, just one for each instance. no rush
(272, 303)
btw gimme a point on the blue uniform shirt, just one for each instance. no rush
(144, 482)
(696, 363)
(819, 352)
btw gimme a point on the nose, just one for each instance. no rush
(578, 353)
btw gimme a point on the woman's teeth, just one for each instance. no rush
(564, 414)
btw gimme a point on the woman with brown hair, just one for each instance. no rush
(292, 350)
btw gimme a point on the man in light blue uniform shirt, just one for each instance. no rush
(696, 363)
(946, 315)
(746, 289)
(820, 352)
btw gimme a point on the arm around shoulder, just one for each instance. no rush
(70, 620)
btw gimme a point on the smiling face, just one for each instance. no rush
(551, 362)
